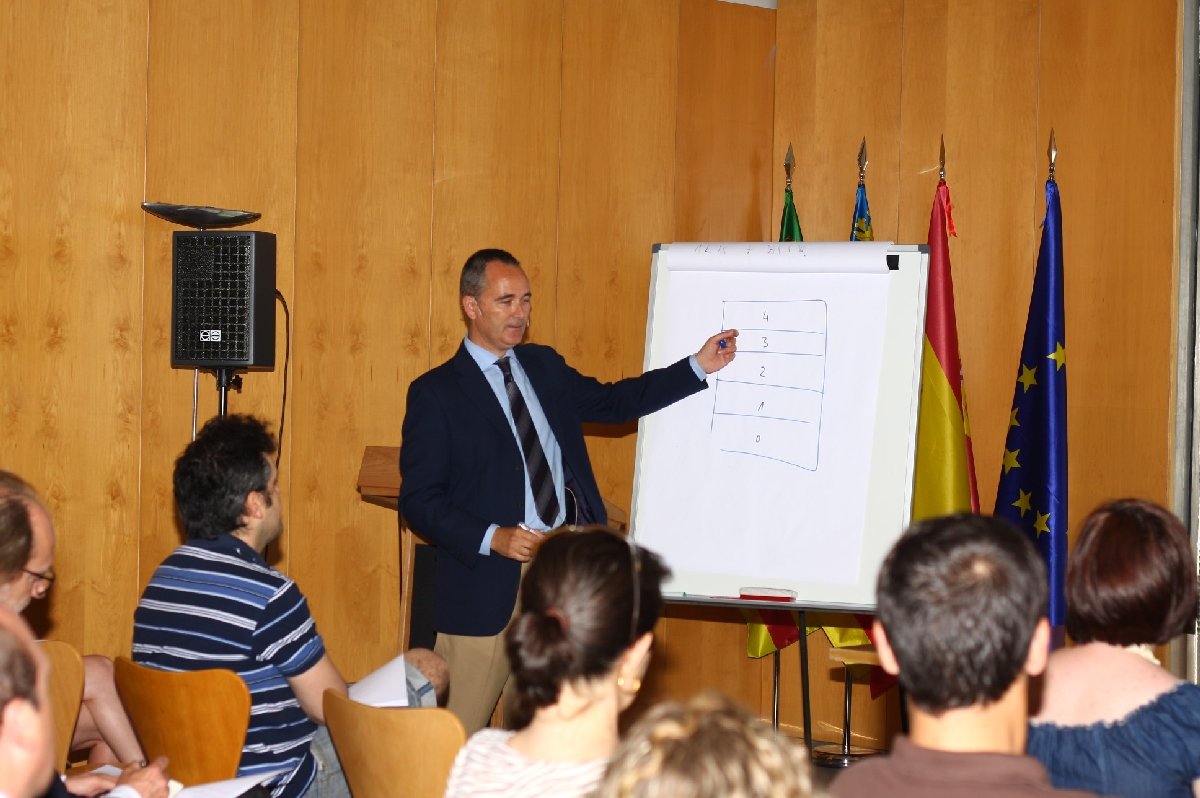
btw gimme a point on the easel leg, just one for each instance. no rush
(775, 689)
(804, 702)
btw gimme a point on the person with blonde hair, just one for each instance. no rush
(579, 649)
(708, 747)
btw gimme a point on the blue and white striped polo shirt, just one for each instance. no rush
(217, 604)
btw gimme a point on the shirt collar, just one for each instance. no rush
(481, 356)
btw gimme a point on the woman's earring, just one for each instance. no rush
(630, 686)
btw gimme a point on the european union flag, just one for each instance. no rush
(1033, 479)
(860, 226)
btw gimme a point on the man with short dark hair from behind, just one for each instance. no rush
(962, 623)
(214, 602)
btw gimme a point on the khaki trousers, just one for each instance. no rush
(478, 672)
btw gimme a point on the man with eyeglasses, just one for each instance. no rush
(27, 542)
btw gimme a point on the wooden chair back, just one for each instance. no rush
(197, 718)
(66, 694)
(388, 752)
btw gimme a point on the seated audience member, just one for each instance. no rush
(1112, 720)
(708, 747)
(214, 602)
(103, 728)
(578, 649)
(27, 728)
(962, 623)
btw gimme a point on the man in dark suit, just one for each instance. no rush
(493, 456)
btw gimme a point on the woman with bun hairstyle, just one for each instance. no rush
(579, 648)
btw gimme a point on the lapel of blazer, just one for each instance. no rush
(477, 390)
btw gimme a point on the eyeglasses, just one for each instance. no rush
(48, 576)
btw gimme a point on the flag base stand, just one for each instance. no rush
(832, 755)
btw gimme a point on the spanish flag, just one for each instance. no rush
(945, 468)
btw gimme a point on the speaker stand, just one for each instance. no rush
(226, 378)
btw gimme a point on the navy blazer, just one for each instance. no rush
(462, 469)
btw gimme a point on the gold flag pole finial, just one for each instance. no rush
(1052, 154)
(942, 161)
(789, 165)
(862, 161)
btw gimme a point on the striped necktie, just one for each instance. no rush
(540, 480)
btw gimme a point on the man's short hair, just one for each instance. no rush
(960, 597)
(16, 536)
(16, 527)
(472, 280)
(18, 670)
(215, 473)
(1131, 577)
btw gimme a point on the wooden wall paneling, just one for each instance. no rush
(222, 131)
(1108, 87)
(702, 648)
(838, 80)
(723, 165)
(496, 144)
(968, 75)
(364, 188)
(615, 199)
(70, 288)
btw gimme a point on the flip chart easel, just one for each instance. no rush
(794, 470)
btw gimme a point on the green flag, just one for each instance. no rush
(789, 224)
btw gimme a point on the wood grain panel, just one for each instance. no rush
(838, 80)
(1107, 88)
(968, 76)
(70, 289)
(618, 142)
(364, 192)
(222, 131)
(702, 648)
(496, 144)
(723, 167)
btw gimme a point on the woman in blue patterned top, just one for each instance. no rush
(1112, 720)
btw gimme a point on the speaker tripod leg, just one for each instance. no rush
(226, 378)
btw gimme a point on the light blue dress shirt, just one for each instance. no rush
(495, 378)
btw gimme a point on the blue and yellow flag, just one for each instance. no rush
(860, 226)
(1033, 479)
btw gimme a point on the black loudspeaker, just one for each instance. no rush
(223, 299)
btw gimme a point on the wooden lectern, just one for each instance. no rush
(379, 483)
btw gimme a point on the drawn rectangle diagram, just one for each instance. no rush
(768, 402)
